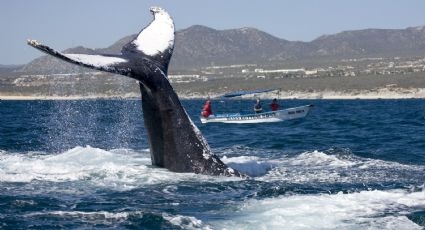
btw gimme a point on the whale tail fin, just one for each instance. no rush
(107, 63)
(155, 41)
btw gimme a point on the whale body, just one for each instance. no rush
(174, 140)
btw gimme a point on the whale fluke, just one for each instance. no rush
(107, 63)
(156, 40)
(175, 141)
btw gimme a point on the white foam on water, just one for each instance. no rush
(316, 166)
(79, 163)
(250, 165)
(89, 216)
(125, 169)
(362, 210)
(185, 222)
(105, 217)
(317, 158)
(121, 169)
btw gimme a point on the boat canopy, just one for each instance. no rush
(240, 93)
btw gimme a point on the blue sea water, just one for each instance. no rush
(350, 164)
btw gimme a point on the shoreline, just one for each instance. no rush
(382, 93)
(57, 98)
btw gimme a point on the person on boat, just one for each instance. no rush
(207, 111)
(257, 107)
(274, 105)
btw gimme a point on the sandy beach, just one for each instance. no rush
(379, 93)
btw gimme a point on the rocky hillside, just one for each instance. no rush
(199, 46)
(377, 42)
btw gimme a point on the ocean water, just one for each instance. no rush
(351, 164)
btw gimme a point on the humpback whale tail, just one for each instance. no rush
(153, 43)
(175, 142)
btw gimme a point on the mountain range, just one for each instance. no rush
(9, 68)
(200, 46)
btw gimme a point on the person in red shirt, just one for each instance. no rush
(274, 105)
(207, 111)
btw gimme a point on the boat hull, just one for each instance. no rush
(275, 116)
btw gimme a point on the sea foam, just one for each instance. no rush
(361, 210)
(127, 169)
(118, 168)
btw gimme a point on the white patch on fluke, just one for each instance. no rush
(95, 60)
(158, 36)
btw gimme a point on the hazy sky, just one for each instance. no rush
(98, 23)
